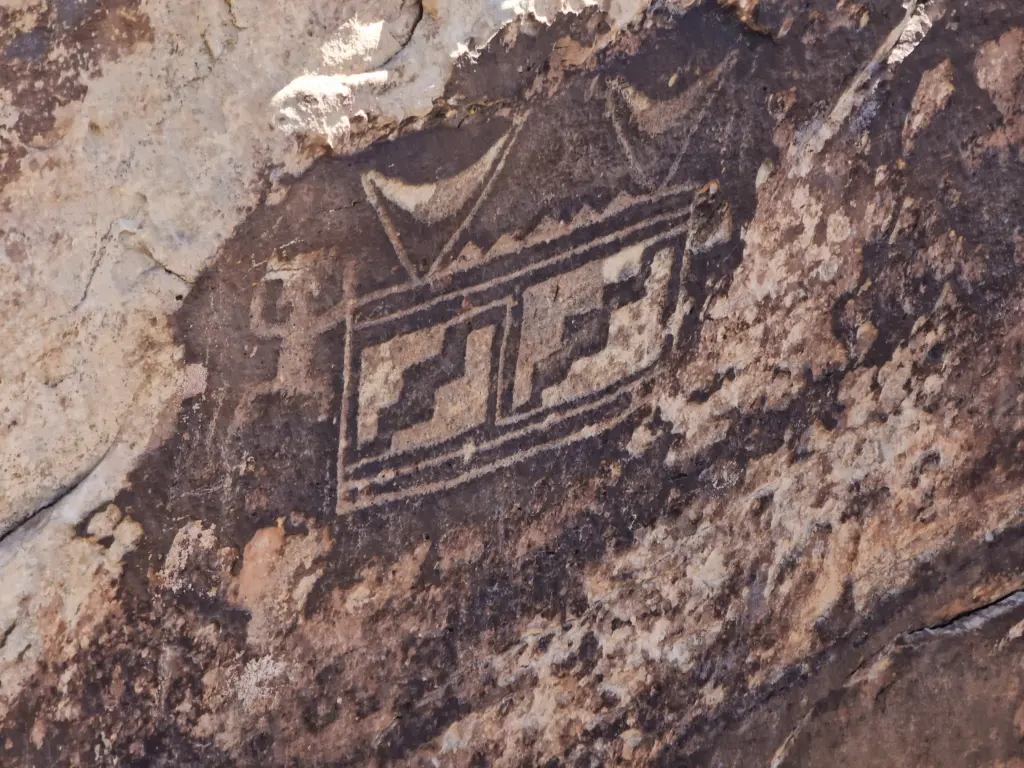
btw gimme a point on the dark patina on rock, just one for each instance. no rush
(660, 409)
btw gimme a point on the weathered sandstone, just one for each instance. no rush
(468, 383)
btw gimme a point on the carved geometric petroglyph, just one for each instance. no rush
(635, 333)
(627, 105)
(382, 372)
(283, 309)
(437, 202)
(546, 307)
(579, 335)
(654, 117)
(460, 404)
(430, 203)
(537, 344)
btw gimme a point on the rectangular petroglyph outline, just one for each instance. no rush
(501, 418)
(553, 417)
(541, 420)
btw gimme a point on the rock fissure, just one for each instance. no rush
(50, 504)
(970, 621)
(404, 40)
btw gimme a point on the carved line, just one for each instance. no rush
(345, 506)
(507, 331)
(349, 294)
(517, 126)
(383, 293)
(716, 77)
(390, 229)
(683, 149)
(543, 264)
(627, 147)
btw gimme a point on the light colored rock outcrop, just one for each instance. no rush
(391, 84)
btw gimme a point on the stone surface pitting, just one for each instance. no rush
(661, 407)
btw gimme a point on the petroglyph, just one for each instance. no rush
(482, 355)
(436, 202)
(635, 330)
(516, 354)
(384, 370)
(460, 404)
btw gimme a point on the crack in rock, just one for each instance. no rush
(9, 527)
(969, 621)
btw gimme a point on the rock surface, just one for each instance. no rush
(527, 384)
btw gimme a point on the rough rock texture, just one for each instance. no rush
(461, 385)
